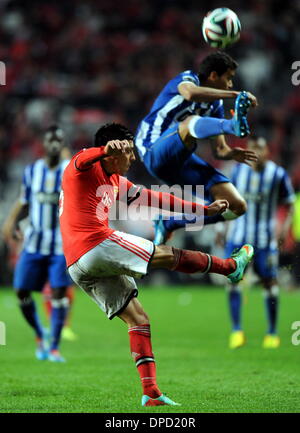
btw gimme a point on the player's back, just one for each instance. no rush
(263, 191)
(169, 108)
(40, 190)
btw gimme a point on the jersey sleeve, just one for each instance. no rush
(218, 110)
(286, 190)
(84, 159)
(26, 186)
(188, 77)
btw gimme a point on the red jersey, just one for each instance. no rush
(86, 197)
(88, 194)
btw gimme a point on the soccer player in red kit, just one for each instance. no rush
(104, 262)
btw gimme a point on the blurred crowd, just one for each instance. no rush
(84, 63)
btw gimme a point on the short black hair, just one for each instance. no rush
(219, 62)
(111, 131)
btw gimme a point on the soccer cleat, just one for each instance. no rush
(241, 107)
(237, 339)
(41, 351)
(68, 334)
(271, 341)
(55, 356)
(162, 400)
(241, 258)
(161, 233)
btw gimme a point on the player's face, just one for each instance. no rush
(224, 81)
(125, 160)
(53, 144)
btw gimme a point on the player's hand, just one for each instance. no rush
(243, 155)
(217, 207)
(117, 147)
(253, 99)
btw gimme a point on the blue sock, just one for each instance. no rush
(271, 304)
(28, 309)
(235, 308)
(58, 316)
(202, 127)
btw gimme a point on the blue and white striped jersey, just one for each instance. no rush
(169, 108)
(263, 191)
(40, 190)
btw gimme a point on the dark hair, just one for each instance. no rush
(218, 62)
(111, 131)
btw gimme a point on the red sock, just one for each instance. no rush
(141, 350)
(190, 262)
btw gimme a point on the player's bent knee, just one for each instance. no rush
(184, 133)
(58, 293)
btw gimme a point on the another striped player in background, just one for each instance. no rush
(264, 186)
(42, 256)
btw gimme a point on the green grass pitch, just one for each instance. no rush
(194, 365)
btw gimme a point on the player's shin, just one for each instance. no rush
(234, 301)
(141, 351)
(202, 127)
(271, 304)
(195, 261)
(28, 308)
(58, 316)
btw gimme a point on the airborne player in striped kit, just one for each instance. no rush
(264, 187)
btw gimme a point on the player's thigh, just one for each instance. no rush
(30, 272)
(166, 156)
(197, 172)
(112, 294)
(57, 272)
(120, 254)
(265, 263)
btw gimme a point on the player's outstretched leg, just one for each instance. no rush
(28, 309)
(141, 351)
(191, 262)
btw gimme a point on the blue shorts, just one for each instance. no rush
(34, 270)
(169, 160)
(265, 260)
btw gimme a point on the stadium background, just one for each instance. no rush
(84, 63)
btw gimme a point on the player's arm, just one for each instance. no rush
(286, 225)
(10, 228)
(194, 93)
(90, 156)
(169, 202)
(221, 150)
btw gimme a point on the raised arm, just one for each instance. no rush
(169, 202)
(192, 92)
